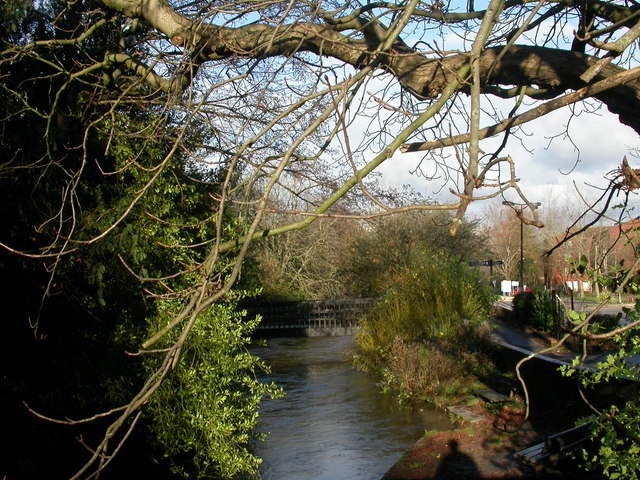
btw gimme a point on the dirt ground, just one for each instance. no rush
(483, 449)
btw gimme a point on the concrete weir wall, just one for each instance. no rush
(309, 318)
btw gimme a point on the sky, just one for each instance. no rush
(550, 161)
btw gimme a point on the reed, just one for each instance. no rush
(429, 330)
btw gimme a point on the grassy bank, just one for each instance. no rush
(427, 338)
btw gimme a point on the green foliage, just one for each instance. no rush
(14, 17)
(203, 416)
(334, 258)
(539, 309)
(434, 310)
(617, 428)
(428, 300)
(72, 171)
(433, 370)
(618, 451)
(207, 408)
(523, 306)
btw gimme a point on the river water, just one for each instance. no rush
(333, 422)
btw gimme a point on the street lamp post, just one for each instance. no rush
(520, 207)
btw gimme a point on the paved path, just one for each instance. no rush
(581, 305)
(516, 339)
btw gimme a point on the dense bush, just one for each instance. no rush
(538, 309)
(523, 307)
(430, 325)
(391, 246)
(205, 413)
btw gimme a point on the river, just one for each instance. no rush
(333, 422)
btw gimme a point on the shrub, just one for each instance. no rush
(430, 325)
(426, 301)
(539, 309)
(522, 306)
(205, 413)
(433, 370)
(419, 370)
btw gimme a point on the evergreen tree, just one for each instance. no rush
(107, 225)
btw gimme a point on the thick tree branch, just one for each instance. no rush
(423, 76)
(537, 112)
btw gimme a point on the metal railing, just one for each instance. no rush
(322, 314)
(559, 315)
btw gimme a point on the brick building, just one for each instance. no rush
(606, 249)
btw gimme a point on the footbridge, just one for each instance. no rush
(309, 318)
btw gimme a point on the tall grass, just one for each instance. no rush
(424, 329)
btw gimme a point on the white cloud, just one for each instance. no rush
(595, 145)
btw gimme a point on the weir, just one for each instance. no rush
(309, 318)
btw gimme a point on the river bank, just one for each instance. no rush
(483, 443)
(482, 448)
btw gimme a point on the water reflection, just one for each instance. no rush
(333, 423)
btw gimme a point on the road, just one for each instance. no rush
(579, 305)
